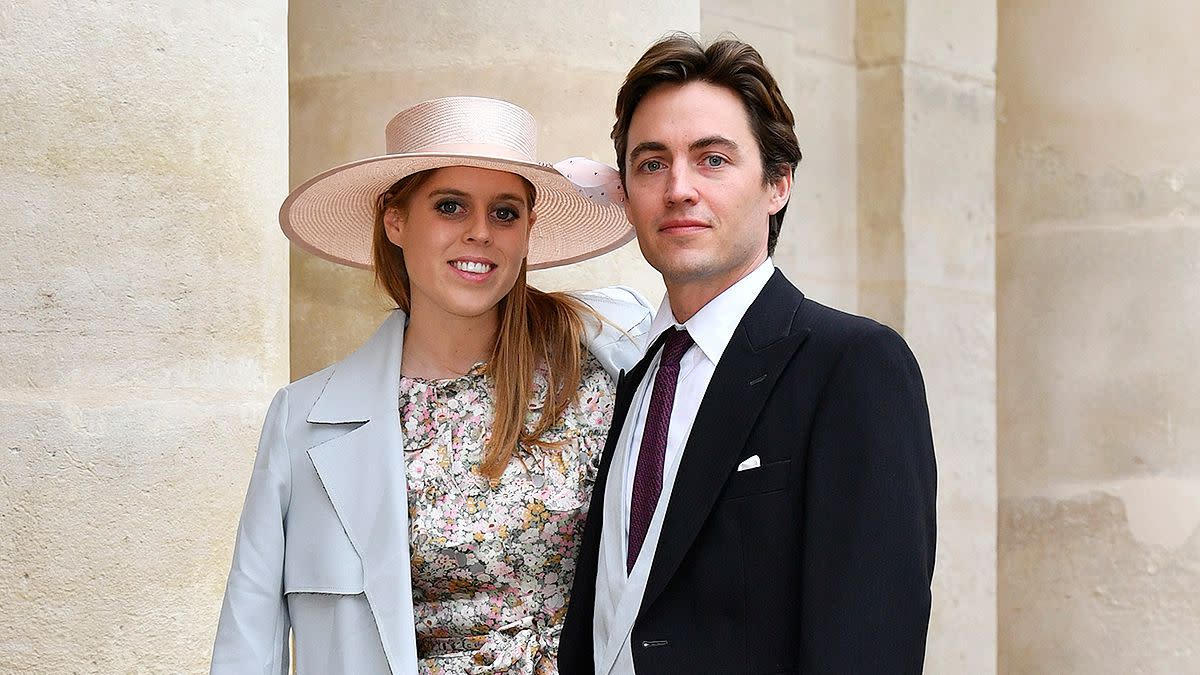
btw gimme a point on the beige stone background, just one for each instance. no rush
(1013, 185)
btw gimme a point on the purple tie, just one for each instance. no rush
(647, 481)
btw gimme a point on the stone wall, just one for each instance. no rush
(143, 320)
(1098, 203)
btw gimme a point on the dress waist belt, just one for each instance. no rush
(517, 647)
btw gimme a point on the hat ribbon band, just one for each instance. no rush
(481, 150)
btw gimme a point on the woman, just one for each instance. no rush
(416, 507)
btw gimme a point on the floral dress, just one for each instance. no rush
(492, 564)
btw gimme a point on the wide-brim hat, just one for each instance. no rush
(578, 201)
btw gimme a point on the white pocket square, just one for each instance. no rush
(750, 463)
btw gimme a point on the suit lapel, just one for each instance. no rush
(363, 474)
(763, 343)
(627, 384)
(588, 565)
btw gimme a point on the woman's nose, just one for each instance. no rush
(479, 230)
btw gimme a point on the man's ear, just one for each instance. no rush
(393, 226)
(781, 191)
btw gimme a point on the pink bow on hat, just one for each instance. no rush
(597, 181)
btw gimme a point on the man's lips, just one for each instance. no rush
(682, 226)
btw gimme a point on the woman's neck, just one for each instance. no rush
(441, 346)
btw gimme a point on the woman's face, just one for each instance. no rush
(465, 233)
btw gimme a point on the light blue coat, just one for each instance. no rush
(322, 547)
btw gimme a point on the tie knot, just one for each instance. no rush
(677, 343)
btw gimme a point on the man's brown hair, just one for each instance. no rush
(678, 59)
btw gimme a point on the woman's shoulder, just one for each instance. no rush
(350, 382)
(622, 306)
(306, 390)
(618, 339)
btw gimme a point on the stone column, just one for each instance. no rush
(355, 65)
(143, 290)
(926, 219)
(1098, 183)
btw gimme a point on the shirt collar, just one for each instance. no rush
(712, 327)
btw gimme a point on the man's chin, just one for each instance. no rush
(684, 268)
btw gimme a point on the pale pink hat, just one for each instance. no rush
(578, 201)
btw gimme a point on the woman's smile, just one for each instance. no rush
(473, 269)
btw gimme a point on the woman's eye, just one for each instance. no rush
(448, 207)
(505, 214)
(714, 160)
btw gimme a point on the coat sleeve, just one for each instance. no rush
(869, 520)
(252, 634)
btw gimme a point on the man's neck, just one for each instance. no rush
(690, 296)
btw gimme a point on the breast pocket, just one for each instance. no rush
(764, 479)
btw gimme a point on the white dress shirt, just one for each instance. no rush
(711, 328)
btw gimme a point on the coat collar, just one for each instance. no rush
(367, 382)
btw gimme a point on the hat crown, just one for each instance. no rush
(466, 125)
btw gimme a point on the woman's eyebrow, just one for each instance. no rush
(510, 197)
(454, 192)
(448, 191)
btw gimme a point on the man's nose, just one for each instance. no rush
(681, 188)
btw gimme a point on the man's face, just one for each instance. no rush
(694, 187)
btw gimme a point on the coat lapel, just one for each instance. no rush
(627, 384)
(763, 343)
(604, 503)
(363, 474)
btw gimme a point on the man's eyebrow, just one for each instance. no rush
(699, 144)
(709, 141)
(646, 146)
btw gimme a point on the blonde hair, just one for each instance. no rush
(536, 329)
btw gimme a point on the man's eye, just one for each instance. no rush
(714, 160)
(652, 165)
(448, 207)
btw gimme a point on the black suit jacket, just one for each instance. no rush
(819, 561)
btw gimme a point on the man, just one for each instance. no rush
(765, 502)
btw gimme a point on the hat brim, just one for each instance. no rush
(332, 215)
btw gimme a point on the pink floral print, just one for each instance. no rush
(492, 564)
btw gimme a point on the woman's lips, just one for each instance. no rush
(472, 269)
